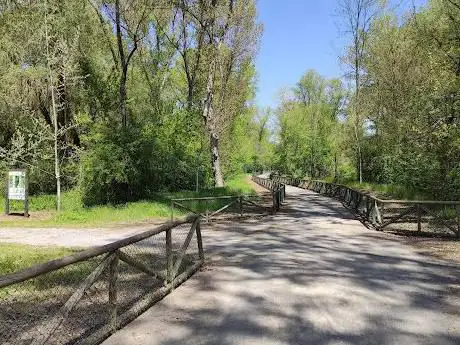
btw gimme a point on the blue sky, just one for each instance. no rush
(299, 35)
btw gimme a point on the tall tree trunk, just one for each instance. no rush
(215, 159)
(57, 169)
(335, 167)
(360, 164)
(208, 116)
(124, 66)
(122, 92)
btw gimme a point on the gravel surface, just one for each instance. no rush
(78, 237)
(310, 275)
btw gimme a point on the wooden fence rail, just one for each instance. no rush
(145, 265)
(239, 205)
(384, 212)
(277, 188)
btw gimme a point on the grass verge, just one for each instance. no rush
(15, 257)
(73, 214)
(389, 191)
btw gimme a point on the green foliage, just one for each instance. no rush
(309, 123)
(400, 130)
(135, 163)
(411, 96)
(390, 191)
(74, 213)
(71, 47)
(239, 185)
(249, 146)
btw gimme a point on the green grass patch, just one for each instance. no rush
(238, 185)
(385, 191)
(389, 191)
(15, 257)
(74, 214)
(46, 287)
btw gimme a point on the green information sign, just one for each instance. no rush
(16, 189)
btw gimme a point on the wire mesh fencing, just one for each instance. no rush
(85, 297)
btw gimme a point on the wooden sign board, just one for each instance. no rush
(17, 189)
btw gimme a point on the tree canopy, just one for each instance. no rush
(126, 98)
(395, 117)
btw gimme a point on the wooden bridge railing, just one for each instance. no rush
(85, 297)
(277, 188)
(381, 213)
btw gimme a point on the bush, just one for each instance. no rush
(111, 171)
(141, 160)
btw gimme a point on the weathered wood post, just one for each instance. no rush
(199, 240)
(367, 207)
(419, 218)
(377, 213)
(113, 276)
(169, 258)
(278, 199)
(357, 201)
(240, 204)
(457, 220)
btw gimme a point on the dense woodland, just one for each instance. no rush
(394, 118)
(123, 99)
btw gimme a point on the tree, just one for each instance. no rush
(309, 122)
(136, 95)
(231, 35)
(357, 18)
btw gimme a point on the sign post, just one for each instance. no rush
(17, 189)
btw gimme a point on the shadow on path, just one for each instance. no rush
(310, 275)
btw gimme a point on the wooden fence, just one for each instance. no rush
(403, 215)
(85, 297)
(219, 207)
(277, 188)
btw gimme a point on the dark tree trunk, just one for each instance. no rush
(122, 94)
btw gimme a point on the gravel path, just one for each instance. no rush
(73, 237)
(309, 275)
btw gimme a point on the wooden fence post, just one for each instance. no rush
(169, 257)
(377, 213)
(199, 240)
(278, 199)
(113, 276)
(457, 216)
(419, 218)
(367, 207)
